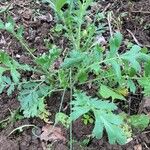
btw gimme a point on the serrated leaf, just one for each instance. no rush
(115, 134)
(31, 98)
(139, 121)
(116, 67)
(145, 83)
(99, 104)
(77, 112)
(107, 92)
(63, 79)
(111, 122)
(115, 43)
(7, 80)
(15, 74)
(6, 84)
(63, 118)
(133, 55)
(10, 89)
(99, 126)
(131, 86)
(46, 60)
(75, 59)
(104, 117)
(43, 90)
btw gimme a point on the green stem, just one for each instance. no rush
(79, 29)
(71, 93)
(103, 61)
(60, 107)
(106, 77)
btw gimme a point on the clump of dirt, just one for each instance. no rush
(6, 144)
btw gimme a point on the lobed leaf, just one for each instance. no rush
(106, 92)
(104, 117)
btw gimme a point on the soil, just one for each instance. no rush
(38, 19)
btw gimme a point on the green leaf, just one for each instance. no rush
(82, 76)
(75, 59)
(7, 85)
(99, 126)
(59, 27)
(115, 43)
(115, 134)
(10, 89)
(147, 68)
(104, 117)
(131, 86)
(2, 26)
(5, 59)
(7, 80)
(59, 4)
(134, 55)
(31, 97)
(63, 79)
(20, 31)
(2, 87)
(47, 60)
(139, 122)
(145, 83)
(15, 74)
(2, 70)
(116, 67)
(63, 118)
(107, 92)
(10, 25)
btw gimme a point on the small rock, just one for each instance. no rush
(18, 56)
(48, 17)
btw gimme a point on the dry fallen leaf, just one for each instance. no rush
(138, 147)
(52, 134)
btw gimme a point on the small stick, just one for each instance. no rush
(143, 12)
(136, 41)
(109, 23)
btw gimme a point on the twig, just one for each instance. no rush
(109, 23)
(143, 12)
(21, 128)
(105, 9)
(136, 41)
(129, 105)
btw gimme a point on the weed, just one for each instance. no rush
(113, 71)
